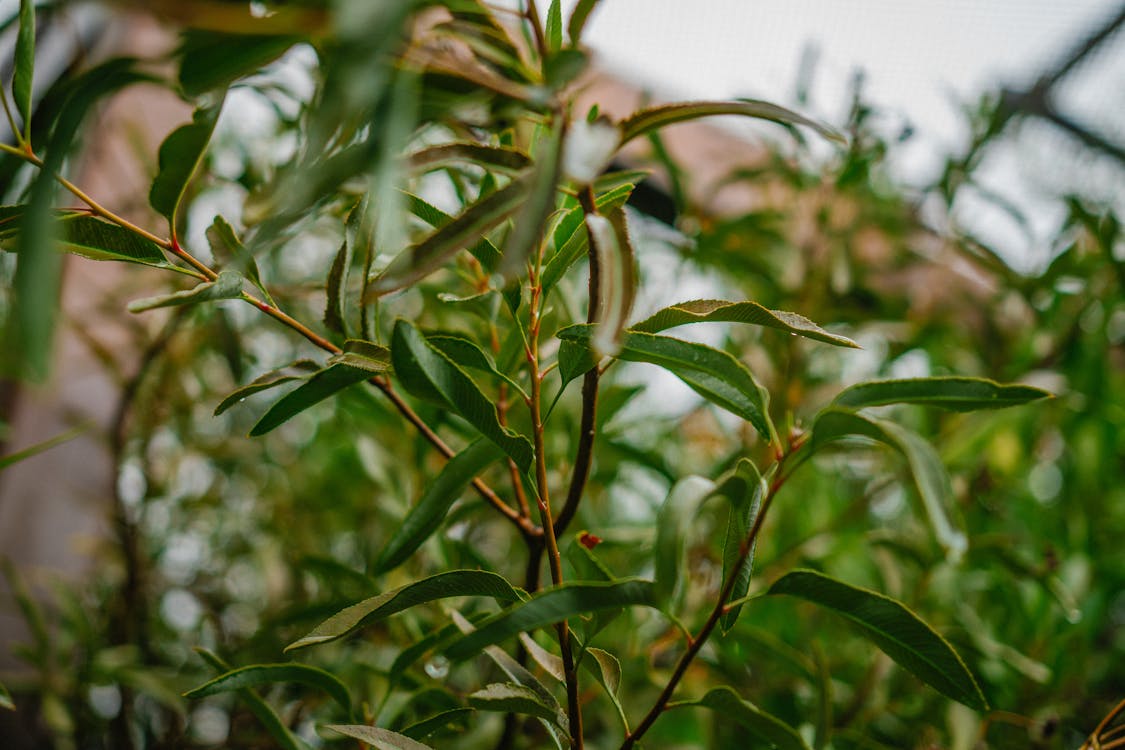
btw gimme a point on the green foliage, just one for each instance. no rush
(447, 237)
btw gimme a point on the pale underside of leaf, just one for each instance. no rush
(713, 310)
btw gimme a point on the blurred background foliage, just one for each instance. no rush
(241, 545)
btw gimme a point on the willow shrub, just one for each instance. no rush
(475, 320)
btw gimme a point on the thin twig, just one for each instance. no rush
(716, 613)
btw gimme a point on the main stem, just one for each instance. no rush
(587, 429)
(551, 544)
(720, 608)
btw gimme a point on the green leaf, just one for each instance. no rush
(554, 27)
(38, 266)
(484, 251)
(647, 120)
(212, 60)
(229, 249)
(715, 310)
(713, 374)
(672, 522)
(497, 158)
(552, 606)
(578, 18)
(34, 450)
(426, 516)
(297, 371)
(540, 188)
(508, 697)
(177, 160)
(953, 393)
(24, 75)
(6, 698)
(100, 240)
(267, 674)
(422, 259)
(363, 355)
(428, 374)
(617, 279)
(897, 631)
(730, 706)
(744, 490)
(571, 239)
(334, 290)
(261, 710)
(382, 739)
(227, 286)
(467, 354)
(606, 669)
(441, 586)
(454, 718)
(92, 238)
(930, 477)
(323, 384)
(518, 674)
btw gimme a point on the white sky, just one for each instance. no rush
(922, 59)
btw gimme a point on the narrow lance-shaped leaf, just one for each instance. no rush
(897, 631)
(324, 384)
(426, 516)
(177, 160)
(261, 710)
(550, 607)
(731, 707)
(617, 279)
(428, 374)
(92, 238)
(653, 118)
(672, 522)
(493, 158)
(454, 718)
(578, 17)
(467, 354)
(299, 370)
(527, 229)
(227, 247)
(6, 698)
(606, 669)
(227, 286)
(381, 739)
(930, 477)
(484, 250)
(440, 586)
(334, 290)
(24, 74)
(714, 310)
(267, 674)
(553, 26)
(37, 448)
(507, 697)
(422, 259)
(571, 238)
(953, 393)
(518, 674)
(361, 354)
(712, 373)
(744, 490)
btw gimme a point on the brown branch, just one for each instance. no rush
(713, 619)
